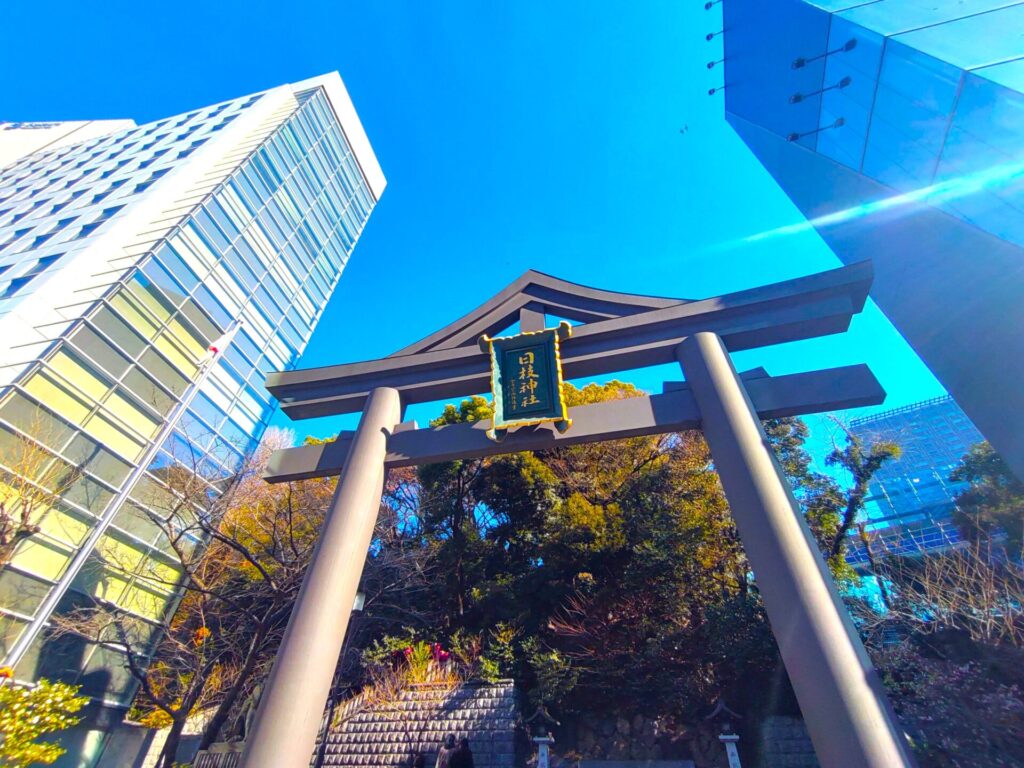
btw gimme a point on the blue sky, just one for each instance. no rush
(574, 138)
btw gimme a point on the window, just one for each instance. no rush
(109, 212)
(39, 240)
(14, 286)
(42, 264)
(15, 236)
(222, 123)
(87, 230)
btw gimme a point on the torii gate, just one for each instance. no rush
(841, 697)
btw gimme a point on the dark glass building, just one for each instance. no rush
(897, 128)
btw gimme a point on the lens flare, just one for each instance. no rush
(934, 194)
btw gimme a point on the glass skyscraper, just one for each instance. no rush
(125, 252)
(897, 127)
(911, 499)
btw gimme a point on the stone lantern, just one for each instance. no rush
(729, 739)
(539, 724)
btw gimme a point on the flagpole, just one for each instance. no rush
(49, 604)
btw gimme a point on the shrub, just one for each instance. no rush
(26, 714)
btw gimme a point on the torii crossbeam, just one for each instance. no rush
(841, 697)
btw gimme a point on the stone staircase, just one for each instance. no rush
(373, 735)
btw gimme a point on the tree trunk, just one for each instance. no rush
(170, 750)
(853, 505)
(7, 548)
(6, 553)
(220, 717)
(873, 564)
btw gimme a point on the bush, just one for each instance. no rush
(26, 714)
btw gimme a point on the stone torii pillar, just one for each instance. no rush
(841, 697)
(291, 709)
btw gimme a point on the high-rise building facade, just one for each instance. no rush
(911, 499)
(125, 253)
(897, 128)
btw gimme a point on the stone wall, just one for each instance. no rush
(637, 737)
(367, 736)
(785, 744)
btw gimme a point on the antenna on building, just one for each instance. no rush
(713, 91)
(839, 123)
(708, 6)
(796, 98)
(712, 35)
(846, 47)
(711, 64)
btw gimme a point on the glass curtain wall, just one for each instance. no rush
(266, 248)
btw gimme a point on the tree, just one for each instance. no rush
(32, 481)
(26, 714)
(238, 561)
(238, 564)
(994, 502)
(831, 510)
(607, 563)
(950, 638)
(862, 461)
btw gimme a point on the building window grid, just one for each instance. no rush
(60, 455)
(243, 378)
(91, 518)
(280, 250)
(309, 274)
(120, 386)
(83, 178)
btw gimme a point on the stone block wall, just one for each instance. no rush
(786, 744)
(639, 738)
(366, 736)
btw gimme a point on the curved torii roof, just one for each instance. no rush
(620, 332)
(537, 292)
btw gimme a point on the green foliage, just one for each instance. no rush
(27, 714)
(553, 672)
(587, 573)
(995, 500)
(830, 509)
(475, 408)
(609, 574)
(383, 649)
(499, 659)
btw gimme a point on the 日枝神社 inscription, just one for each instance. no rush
(526, 380)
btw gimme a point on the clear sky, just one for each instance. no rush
(576, 138)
